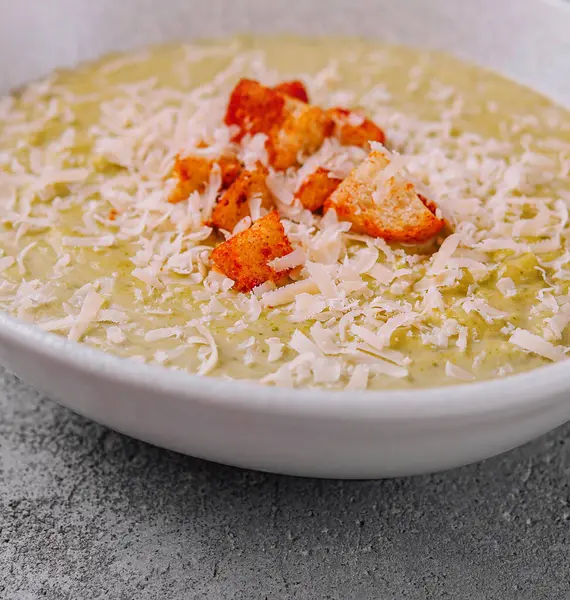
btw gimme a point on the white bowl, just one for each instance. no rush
(367, 434)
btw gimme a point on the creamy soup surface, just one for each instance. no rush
(91, 248)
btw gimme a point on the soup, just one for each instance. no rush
(93, 248)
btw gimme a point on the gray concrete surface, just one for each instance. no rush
(89, 514)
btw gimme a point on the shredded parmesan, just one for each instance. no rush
(275, 349)
(87, 315)
(212, 360)
(303, 345)
(358, 379)
(444, 254)
(456, 372)
(102, 241)
(289, 261)
(161, 334)
(533, 343)
(507, 287)
(288, 293)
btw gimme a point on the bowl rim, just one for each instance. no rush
(521, 392)
(479, 399)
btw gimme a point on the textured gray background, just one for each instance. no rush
(89, 514)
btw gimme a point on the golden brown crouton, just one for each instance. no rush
(233, 205)
(254, 108)
(383, 207)
(352, 129)
(244, 257)
(193, 174)
(295, 89)
(292, 127)
(303, 132)
(316, 188)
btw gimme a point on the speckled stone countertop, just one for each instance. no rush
(89, 514)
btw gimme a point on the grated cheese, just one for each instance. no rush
(359, 378)
(324, 339)
(162, 334)
(212, 360)
(443, 255)
(116, 335)
(456, 372)
(533, 343)
(275, 349)
(382, 274)
(289, 261)
(288, 293)
(87, 315)
(507, 287)
(321, 276)
(102, 241)
(303, 345)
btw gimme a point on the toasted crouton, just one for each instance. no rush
(292, 127)
(303, 132)
(193, 174)
(316, 188)
(245, 257)
(233, 205)
(352, 129)
(254, 108)
(295, 89)
(384, 207)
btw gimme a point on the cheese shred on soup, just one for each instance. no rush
(310, 213)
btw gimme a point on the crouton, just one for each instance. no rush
(316, 188)
(302, 133)
(384, 207)
(254, 109)
(292, 127)
(193, 174)
(233, 205)
(245, 257)
(351, 129)
(295, 89)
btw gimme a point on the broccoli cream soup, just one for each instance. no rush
(313, 213)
